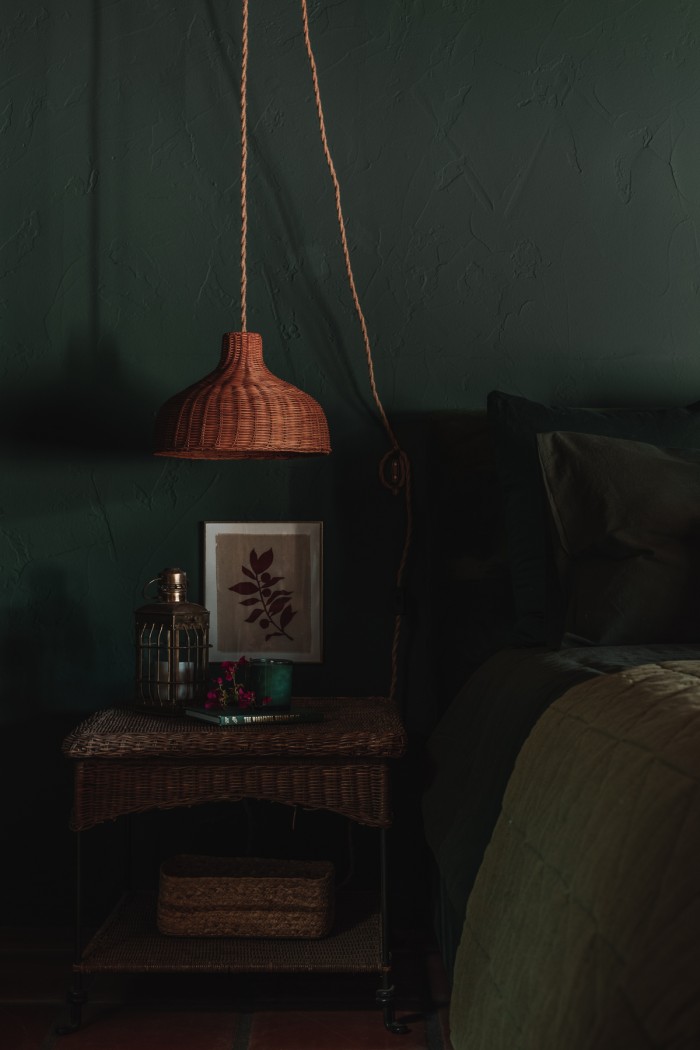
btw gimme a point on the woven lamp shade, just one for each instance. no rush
(241, 411)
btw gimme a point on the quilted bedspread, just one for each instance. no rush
(583, 926)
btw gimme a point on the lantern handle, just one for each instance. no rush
(156, 579)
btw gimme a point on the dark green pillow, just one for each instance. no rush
(626, 518)
(515, 423)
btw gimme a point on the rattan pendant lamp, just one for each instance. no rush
(241, 410)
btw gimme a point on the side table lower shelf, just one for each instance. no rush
(129, 942)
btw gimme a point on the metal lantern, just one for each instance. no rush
(172, 646)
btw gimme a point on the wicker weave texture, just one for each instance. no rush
(244, 897)
(129, 942)
(362, 726)
(105, 790)
(126, 761)
(241, 411)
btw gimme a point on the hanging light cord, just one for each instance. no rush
(244, 168)
(394, 468)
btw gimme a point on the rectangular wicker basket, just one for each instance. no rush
(245, 897)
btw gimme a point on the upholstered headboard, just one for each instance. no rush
(485, 570)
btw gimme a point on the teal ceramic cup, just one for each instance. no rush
(271, 678)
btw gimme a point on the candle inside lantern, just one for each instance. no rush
(184, 681)
(273, 679)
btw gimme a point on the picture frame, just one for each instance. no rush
(245, 559)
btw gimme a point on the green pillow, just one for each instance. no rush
(626, 517)
(515, 423)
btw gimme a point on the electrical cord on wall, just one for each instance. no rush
(244, 169)
(394, 467)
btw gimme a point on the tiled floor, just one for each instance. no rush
(185, 1012)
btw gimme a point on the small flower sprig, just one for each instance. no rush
(227, 690)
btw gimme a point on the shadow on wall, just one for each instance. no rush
(40, 641)
(36, 880)
(92, 407)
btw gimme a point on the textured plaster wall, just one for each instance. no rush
(522, 186)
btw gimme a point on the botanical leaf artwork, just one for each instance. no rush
(272, 605)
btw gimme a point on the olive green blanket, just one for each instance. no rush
(583, 926)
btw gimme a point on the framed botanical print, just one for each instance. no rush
(263, 584)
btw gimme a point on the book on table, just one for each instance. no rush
(224, 717)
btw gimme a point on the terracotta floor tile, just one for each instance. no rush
(199, 1012)
(336, 1030)
(27, 1027)
(124, 1028)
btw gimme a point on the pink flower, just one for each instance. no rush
(227, 690)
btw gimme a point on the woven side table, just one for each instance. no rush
(127, 762)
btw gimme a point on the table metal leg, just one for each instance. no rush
(385, 994)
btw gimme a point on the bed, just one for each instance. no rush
(562, 804)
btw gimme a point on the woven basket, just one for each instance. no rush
(245, 897)
(241, 411)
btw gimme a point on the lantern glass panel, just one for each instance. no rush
(172, 659)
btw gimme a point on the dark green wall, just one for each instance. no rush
(521, 180)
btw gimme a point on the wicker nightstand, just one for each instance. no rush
(129, 762)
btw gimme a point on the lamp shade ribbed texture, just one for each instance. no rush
(241, 411)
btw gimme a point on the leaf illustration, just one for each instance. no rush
(275, 634)
(272, 607)
(244, 588)
(259, 563)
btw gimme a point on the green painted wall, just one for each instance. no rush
(521, 180)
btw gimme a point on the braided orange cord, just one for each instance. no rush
(341, 224)
(244, 168)
(395, 463)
